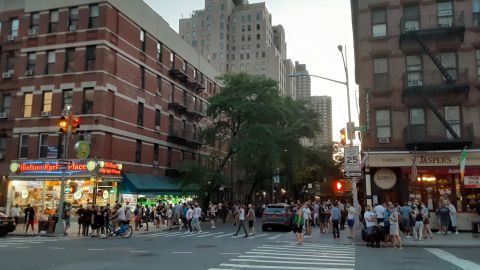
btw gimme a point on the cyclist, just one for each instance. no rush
(118, 217)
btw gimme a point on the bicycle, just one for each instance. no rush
(125, 231)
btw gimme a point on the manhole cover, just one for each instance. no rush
(205, 246)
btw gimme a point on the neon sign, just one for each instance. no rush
(74, 167)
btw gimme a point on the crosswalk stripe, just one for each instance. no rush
(296, 258)
(258, 236)
(315, 251)
(310, 246)
(209, 234)
(194, 234)
(219, 236)
(275, 237)
(286, 253)
(291, 262)
(279, 267)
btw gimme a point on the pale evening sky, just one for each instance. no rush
(313, 30)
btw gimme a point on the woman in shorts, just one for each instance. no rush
(394, 228)
(298, 222)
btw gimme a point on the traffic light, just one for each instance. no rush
(63, 125)
(75, 125)
(343, 137)
(338, 186)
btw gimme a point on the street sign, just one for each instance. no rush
(352, 174)
(352, 159)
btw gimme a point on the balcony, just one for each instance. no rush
(449, 27)
(178, 107)
(193, 139)
(177, 135)
(195, 109)
(433, 83)
(437, 138)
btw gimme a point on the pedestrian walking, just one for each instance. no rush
(66, 217)
(444, 218)
(169, 214)
(323, 218)
(351, 219)
(405, 213)
(418, 227)
(29, 218)
(395, 228)
(453, 217)
(298, 222)
(15, 212)
(197, 215)
(212, 214)
(427, 231)
(251, 220)
(388, 212)
(307, 215)
(343, 213)
(189, 217)
(316, 214)
(336, 216)
(240, 219)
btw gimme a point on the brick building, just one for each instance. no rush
(417, 66)
(140, 91)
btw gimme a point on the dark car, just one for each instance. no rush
(6, 225)
(277, 216)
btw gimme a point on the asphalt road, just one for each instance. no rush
(219, 250)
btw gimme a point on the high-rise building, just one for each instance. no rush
(323, 106)
(417, 67)
(140, 91)
(236, 36)
(303, 83)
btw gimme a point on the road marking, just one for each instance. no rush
(275, 237)
(257, 236)
(96, 249)
(22, 247)
(447, 256)
(286, 257)
(182, 252)
(209, 234)
(56, 248)
(194, 234)
(311, 251)
(227, 234)
(286, 253)
(230, 253)
(280, 267)
(174, 234)
(289, 262)
(138, 251)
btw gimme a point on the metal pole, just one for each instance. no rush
(60, 229)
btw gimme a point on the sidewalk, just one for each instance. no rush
(462, 240)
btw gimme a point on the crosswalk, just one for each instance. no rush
(288, 256)
(208, 234)
(25, 242)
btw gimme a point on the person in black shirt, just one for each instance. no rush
(87, 217)
(81, 215)
(29, 218)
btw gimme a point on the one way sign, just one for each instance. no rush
(352, 174)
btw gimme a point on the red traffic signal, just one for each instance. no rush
(75, 124)
(343, 137)
(338, 186)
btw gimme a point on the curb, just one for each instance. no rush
(431, 245)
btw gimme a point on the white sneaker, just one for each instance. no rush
(456, 233)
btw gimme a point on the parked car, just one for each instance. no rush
(7, 225)
(277, 216)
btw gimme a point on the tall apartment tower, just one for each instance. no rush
(303, 83)
(236, 36)
(323, 106)
(417, 67)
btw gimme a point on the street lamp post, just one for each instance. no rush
(346, 83)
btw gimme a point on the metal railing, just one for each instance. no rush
(422, 78)
(414, 134)
(432, 21)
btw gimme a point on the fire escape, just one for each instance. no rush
(425, 34)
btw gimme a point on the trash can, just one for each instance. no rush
(52, 221)
(476, 228)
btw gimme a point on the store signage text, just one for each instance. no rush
(434, 159)
(73, 168)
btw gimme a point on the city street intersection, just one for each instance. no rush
(218, 249)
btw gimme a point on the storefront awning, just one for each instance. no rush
(150, 184)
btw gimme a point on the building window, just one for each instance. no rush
(259, 16)
(258, 26)
(34, 21)
(155, 152)
(379, 23)
(43, 146)
(14, 27)
(449, 62)
(23, 146)
(70, 60)
(3, 146)
(453, 117)
(93, 18)
(6, 104)
(10, 59)
(27, 104)
(263, 54)
(169, 157)
(414, 70)
(31, 60)
(159, 86)
(417, 117)
(258, 36)
(138, 152)
(380, 74)
(142, 40)
(87, 105)
(47, 101)
(90, 58)
(140, 114)
(67, 97)
(411, 18)
(172, 59)
(445, 14)
(476, 12)
(50, 68)
(383, 123)
(159, 52)
(142, 77)
(72, 18)
(52, 25)
(158, 115)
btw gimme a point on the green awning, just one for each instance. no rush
(133, 183)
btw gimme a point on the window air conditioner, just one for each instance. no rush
(32, 32)
(45, 114)
(155, 163)
(157, 128)
(72, 28)
(3, 115)
(28, 72)
(11, 37)
(7, 75)
(384, 140)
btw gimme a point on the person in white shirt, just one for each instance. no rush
(370, 221)
(15, 212)
(197, 214)
(212, 214)
(380, 212)
(189, 217)
(118, 217)
(453, 216)
(307, 213)
(241, 221)
(351, 219)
